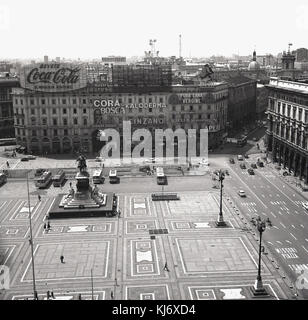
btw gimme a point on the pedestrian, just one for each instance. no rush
(119, 213)
(70, 185)
(111, 295)
(44, 226)
(39, 197)
(48, 225)
(7, 164)
(52, 295)
(48, 295)
(62, 259)
(79, 296)
(166, 267)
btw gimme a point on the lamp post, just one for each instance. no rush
(220, 222)
(258, 289)
(35, 296)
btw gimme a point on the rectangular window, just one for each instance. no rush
(84, 110)
(34, 133)
(209, 116)
(64, 110)
(173, 108)
(33, 121)
(54, 111)
(53, 101)
(65, 121)
(55, 122)
(63, 101)
(21, 101)
(45, 133)
(140, 100)
(32, 111)
(161, 100)
(182, 108)
(43, 111)
(55, 132)
(85, 121)
(43, 101)
(75, 121)
(65, 132)
(75, 111)
(44, 121)
(150, 100)
(74, 101)
(84, 101)
(130, 100)
(31, 102)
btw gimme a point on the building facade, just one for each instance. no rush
(66, 115)
(287, 131)
(6, 107)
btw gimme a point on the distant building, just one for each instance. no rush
(301, 55)
(6, 107)
(45, 59)
(114, 60)
(287, 131)
(254, 65)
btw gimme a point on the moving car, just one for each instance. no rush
(24, 159)
(58, 179)
(250, 171)
(231, 160)
(246, 155)
(243, 166)
(240, 157)
(261, 164)
(31, 157)
(242, 193)
(254, 166)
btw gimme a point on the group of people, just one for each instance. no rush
(47, 226)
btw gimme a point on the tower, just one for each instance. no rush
(288, 59)
(180, 46)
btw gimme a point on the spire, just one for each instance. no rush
(254, 55)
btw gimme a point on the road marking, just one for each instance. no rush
(288, 241)
(302, 226)
(279, 190)
(270, 195)
(250, 189)
(306, 240)
(298, 267)
(287, 253)
(273, 214)
(282, 224)
(270, 242)
(279, 242)
(276, 227)
(293, 226)
(293, 235)
(305, 249)
(263, 195)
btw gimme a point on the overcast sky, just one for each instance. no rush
(96, 28)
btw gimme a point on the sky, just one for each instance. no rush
(95, 28)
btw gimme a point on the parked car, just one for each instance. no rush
(246, 155)
(24, 159)
(39, 172)
(250, 171)
(260, 164)
(99, 159)
(144, 168)
(254, 166)
(31, 157)
(286, 173)
(231, 160)
(240, 157)
(243, 166)
(305, 205)
(150, 160)
(242, 193)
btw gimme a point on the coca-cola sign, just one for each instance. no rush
(53, 77)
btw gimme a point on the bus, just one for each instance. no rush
(58, 179)
(44, 180)
(160, 176)
(241, 142)
(98, 176)
(113, 178)
(3, 179)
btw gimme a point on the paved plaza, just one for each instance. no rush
(122, 254)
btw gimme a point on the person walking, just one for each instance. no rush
(111, 295)
(7, 164)
(52, 295)
(166, 267)
(70, 185)
(119, 213)
(48, 225)
(45, 226)
(39, 197)
(62, 259)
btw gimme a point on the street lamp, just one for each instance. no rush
(258, 289)
(220, 222)
(35, 296)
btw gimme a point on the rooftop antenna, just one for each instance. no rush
(180, 46)
(289, 46)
